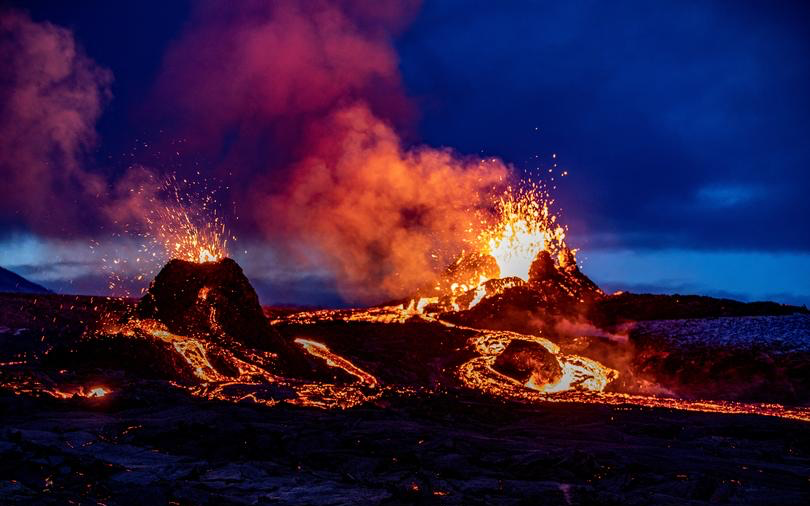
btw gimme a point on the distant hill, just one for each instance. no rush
(11, 282)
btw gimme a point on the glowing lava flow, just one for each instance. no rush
(88, 393)
(478, 374)
(248, 375)
(584, 380)
(578, 373)
(333, 360)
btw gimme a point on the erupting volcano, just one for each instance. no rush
(524, 319)
(512, 319)
(303, 289)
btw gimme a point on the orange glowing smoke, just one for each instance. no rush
(383, 218)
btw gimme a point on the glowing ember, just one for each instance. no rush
(180, 220)
(521, 228)
(189, 229)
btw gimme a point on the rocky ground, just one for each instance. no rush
(425, 438)
(155, 445)
(760, 358)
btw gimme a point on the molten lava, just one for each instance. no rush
(334, 360)
(186, 239)
(85, 392)
(518, 237)
(206, 256)
(524, 228)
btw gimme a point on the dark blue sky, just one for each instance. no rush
(685, 126)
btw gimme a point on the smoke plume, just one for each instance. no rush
(303, 102)
(384, 218)
(51, 95)
(299, 106)
(247, 78)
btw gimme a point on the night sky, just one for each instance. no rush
(684, 126)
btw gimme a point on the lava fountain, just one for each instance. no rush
(524, 228)
(188, 226)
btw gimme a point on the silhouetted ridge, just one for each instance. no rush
(11, 282)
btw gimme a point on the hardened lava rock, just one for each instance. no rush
(564, 281)
(524, 360)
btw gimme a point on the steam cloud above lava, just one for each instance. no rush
(51, 95)
(385, 217)
(317, 91)
(299, 106)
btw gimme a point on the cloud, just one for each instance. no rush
(52, 95)
(726, 195)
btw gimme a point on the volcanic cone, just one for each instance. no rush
(214, 299)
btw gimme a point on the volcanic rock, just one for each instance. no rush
(628, 307)
(524, 360)
(548, 277)
(568, 264)
(543, 269)
(212, 299)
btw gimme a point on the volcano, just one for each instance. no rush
(215, 301)
(12, 282)
(209, 298)
(553, 291)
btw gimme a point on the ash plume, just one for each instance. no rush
(299, 106)
(383, 217)
(51, 95)
(303, 103)
(247, 78)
